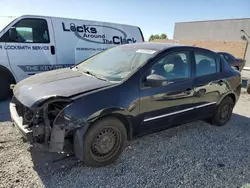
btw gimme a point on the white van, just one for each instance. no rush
(32, 44)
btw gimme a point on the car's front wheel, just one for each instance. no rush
(104, 142)
(223, 112)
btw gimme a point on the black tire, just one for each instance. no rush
(104, 142)
(223, 112)
(5, 82)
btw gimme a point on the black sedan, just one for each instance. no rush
(237, 63)
(121, 93)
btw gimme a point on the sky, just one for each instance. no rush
(152, 16)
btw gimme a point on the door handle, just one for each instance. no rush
(188, 91)
(52, 50)
(200, 92)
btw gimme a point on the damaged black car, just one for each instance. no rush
(123, 92)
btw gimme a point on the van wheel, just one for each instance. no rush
(223, 112)
(104, 142)
(5, 82)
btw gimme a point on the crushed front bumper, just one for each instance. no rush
(17, 122)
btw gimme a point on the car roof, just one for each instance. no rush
(224, 53)
(159, 46)
(152, 45)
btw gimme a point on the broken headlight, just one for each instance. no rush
(63, 118)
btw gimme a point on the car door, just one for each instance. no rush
(209, 83)
(162, 106)
(30, 46)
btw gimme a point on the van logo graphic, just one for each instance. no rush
(41, 68)
(99, 34)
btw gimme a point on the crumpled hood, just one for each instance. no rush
(61, 82)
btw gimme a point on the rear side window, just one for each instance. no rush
(223, 56)
(28, 31)
(205, 64)
(226, 57)
(229, 56)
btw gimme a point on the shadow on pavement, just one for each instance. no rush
(196, 150)
(4, 111)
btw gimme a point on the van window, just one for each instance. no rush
(28, 31)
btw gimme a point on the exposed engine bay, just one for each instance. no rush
(46, 123)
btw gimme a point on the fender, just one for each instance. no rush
(234, 93)
(228, 94)
(119, 113)
(67, 117)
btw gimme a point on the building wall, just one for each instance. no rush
(215, 30)
(236, 48)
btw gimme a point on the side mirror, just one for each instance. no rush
(156, 80)
(12, 34)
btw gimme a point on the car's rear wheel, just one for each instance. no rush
(104, 142)
(223, 112)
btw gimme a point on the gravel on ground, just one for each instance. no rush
(191, 155)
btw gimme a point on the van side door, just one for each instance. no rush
(30, 46)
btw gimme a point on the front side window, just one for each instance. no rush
(28, 31)
(205, 64)
(116, 63)
(174, 66)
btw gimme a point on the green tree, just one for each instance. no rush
(163, 36)
(151, 38)
(157, 36)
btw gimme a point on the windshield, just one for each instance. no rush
(116, 63)
(5, 21)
